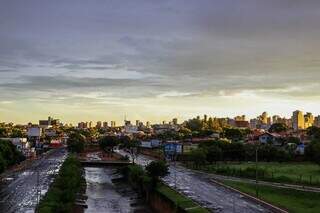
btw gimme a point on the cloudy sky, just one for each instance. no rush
(154, 60)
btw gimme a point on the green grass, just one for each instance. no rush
(179, 199)
(62, 192)
(292, 200)
(299, 173)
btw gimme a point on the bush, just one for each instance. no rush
(157, 169)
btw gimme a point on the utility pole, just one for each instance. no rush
(38, 185)
(175, 168)
(257, 191)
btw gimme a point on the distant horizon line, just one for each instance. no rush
(152, 121)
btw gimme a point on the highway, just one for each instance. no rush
(19, 193)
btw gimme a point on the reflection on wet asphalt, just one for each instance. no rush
(20, 193)
(105, 196)
(199, 188)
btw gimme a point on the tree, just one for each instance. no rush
(198, 156)
(76, 142)
(313, 151)
(278, 127)
(234, 134)
(185, 132)
(194, 124)
(157, 169)
(214, 154)
(131, 146)
(107, 143)
(314, 132)
(294, 140)
(17, 133)
(3, 132)
(2, 164)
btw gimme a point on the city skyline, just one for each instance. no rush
(89, 60)
(264, 116)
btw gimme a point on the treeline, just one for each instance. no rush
(9, 155)
(62, 192)
(212, 151)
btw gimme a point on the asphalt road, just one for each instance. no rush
(198, 187)
(19, 193)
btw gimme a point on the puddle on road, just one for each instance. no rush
(105, 196)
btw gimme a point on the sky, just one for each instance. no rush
(81, 60)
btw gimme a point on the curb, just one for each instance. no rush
(254, 199)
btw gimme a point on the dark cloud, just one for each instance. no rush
(159, 49)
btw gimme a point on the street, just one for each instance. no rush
(199, 188)
(19, 192)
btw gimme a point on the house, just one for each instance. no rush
(188, 147)
(272, 138)
(50, 132)
(34, 132)
(300, 149)
(154, 143)
(161, 128)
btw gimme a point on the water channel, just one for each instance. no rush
(106, 195)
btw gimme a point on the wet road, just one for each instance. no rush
(19, 193)
(106, 196)
(199, 188)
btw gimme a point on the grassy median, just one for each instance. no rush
(62, 192)
(293, 200)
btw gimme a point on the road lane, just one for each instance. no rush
(19, 194)
(198, 187)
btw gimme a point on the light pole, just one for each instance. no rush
(175, 168)
(257, 190)
(38, 187)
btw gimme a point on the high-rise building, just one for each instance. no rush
(205, 118)
(99, 125)
(253, 123)
(276, 119)
(264, 118)
(297, 120)
(175, 121)
(148, 124)
(240, 118)
(113, 124)
(105, 124)
(308, 120)
(83, 125)
(137, 122)
(127, 123)
(317, 121)
(269, 121)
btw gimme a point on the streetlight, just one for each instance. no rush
(257, 190)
